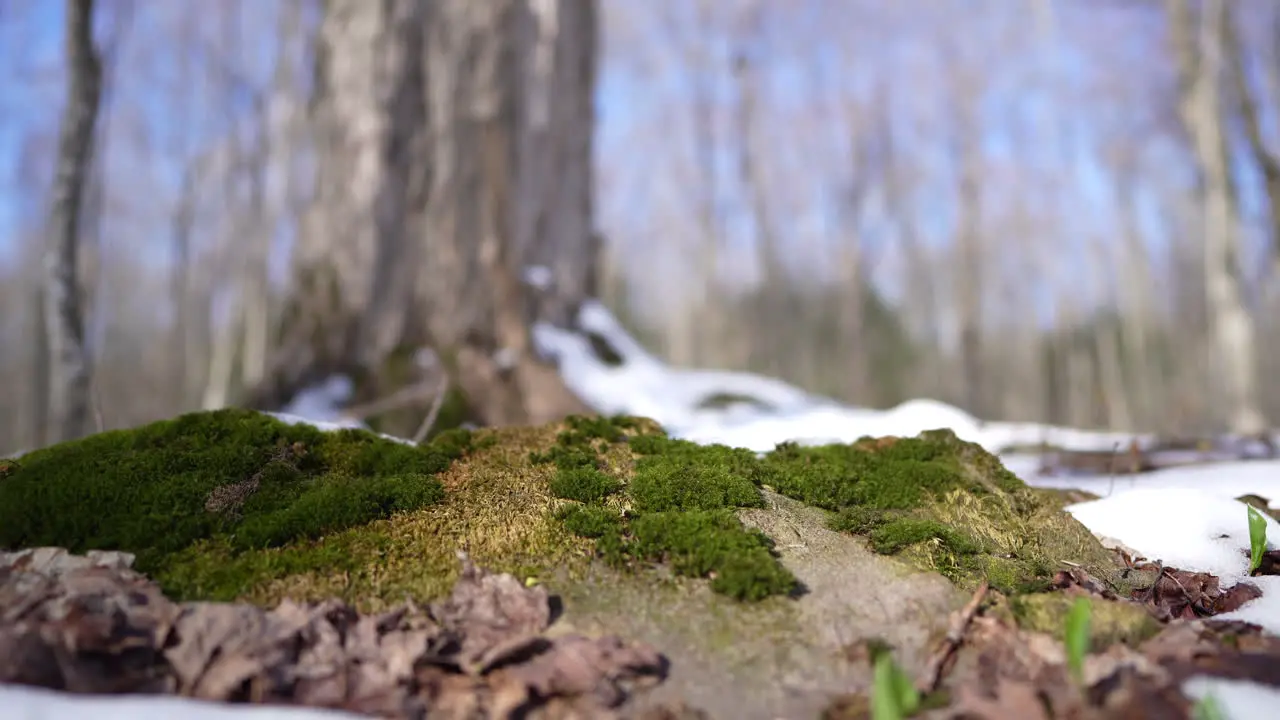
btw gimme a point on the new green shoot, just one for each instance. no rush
(893, 696)
(1257, 538)
(1076, 638)
(1208, 708)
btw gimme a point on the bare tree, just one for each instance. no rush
(1251, 114)
(1198, 47)
(437, 127)
(69, 381)
(967, 151)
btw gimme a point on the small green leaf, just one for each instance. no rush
(1208, 708)
(1257, 538)
(893, 696)
(1076, 638)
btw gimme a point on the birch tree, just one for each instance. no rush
(69, 372)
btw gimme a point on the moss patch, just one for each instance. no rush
(1110, 622)
(669, 501)
(237, 479)
(944, 505)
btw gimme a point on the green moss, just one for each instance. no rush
(858, 519)
(892, 473)
(231, 504)
(586, 485)
(566, 457)
(577, 445)
(698, 544)
(1110, 622)
(591, 521)
(893, 536)
(679, 482)
(679, 499)
(942, 504)
(242, 480)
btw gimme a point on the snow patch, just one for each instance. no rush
(1238, 699)
(1186, 528)
(30, 703)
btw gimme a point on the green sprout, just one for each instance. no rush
(1076, 638)
(1257, 538)
(893, 697)
(1208, 708)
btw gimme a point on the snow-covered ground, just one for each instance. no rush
(28, 703)
(1187, 517)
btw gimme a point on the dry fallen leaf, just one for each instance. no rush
(92, 625)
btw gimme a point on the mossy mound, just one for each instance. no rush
(235, 503)
(242, 480)
(751, 571)
(942, 504)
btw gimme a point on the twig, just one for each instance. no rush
(436, 404)
(955, 636)
(398, 399)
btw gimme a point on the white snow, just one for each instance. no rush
(1238, 699)
(1186, 528)
(322, 402)
(1222, 479)
(28, 703)
(770, 411)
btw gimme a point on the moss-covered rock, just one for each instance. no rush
(752, 571)
(942, 504)
(244, 482)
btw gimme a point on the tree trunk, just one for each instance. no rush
(440, 126)
(970, 261)
(69, 372)
(1267, 161)
(1198, 47)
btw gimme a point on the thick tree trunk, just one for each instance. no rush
(69, 372)
(454, 141)
(1198, 46)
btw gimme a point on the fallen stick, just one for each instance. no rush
(955, 637)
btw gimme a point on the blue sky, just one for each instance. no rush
(631, 104)
(36, 44)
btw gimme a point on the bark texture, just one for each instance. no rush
(454, 147)
(69, 371)
(1198, 39)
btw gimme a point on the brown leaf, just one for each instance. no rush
(80, 623)
(1002, 700)
(490, 613)
(92, 625)
(573, 665)
(1180, 594)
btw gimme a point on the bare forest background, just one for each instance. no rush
(1044, 210)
